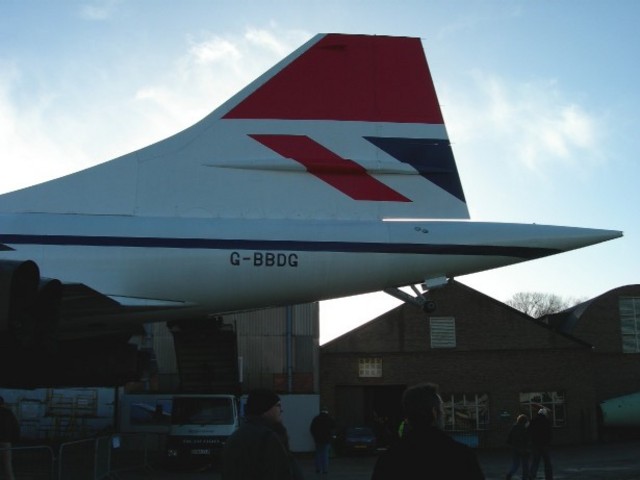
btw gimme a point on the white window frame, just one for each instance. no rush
(370, 367)
(466, 412)
(554, 402)
(629, 312)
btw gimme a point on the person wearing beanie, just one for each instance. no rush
(322, 429)
(425, 450)
(261, 401)
(9, 434)
(259, 449)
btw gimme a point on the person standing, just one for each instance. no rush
(322, 428)
(9, 434)
(402, 428)
(425, 450)
(540, 431)
(520, 445)
(259, 449)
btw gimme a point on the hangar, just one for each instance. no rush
(491, 361)
(275, 348)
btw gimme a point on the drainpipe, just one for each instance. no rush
(289, 314)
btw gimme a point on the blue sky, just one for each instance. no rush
(541, 101)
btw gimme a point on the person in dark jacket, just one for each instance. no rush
(322, 428)
(520, 445)
(9, 434)
(425, 450)
(540, 431)
(259, 449)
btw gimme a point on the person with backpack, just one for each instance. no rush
(322, 429)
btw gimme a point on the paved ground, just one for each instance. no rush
(613, 461)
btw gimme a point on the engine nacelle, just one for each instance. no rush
(18, 292)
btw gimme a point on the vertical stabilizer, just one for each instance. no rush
(347, 126)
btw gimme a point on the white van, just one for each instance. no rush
(200, 426)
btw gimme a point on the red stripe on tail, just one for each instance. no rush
(345, 175)
(350, 77)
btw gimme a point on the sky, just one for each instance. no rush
(540, 99)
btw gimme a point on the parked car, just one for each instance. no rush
(355, 440)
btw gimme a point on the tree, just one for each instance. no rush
(537, 304)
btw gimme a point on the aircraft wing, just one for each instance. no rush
(85, 313)
(69, 334)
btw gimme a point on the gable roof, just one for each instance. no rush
(464, 290)
(567, 320)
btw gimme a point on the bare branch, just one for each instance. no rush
(537, 304)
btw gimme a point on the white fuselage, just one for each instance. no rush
(223, 265)
(277, 196)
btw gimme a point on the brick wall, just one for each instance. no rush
(499, 351)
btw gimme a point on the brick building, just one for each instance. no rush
(491, 361)
(611, 323)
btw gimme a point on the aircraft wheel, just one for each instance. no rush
(429, 306)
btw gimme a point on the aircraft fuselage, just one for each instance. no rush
(202, 261)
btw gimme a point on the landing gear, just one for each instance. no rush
(421, 299)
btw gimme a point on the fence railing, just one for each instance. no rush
(34, 462)
(95, 458)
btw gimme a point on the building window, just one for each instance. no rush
(466, 412)
(443, 332)
(370, 367)
(531, 402)
(629, 308)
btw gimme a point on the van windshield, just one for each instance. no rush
(202, 411)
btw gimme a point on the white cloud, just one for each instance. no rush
(99, 10)
(534, 124)
(269, 41)
(212, 70)
(62, 125)
(214, 50)
(8, 73)
(24, 148)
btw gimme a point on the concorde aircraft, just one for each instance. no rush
(330, 175)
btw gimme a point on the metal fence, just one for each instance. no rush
(129, 452)
(33, 462)
(96, 458)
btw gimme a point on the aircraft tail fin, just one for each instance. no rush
(347, 126)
